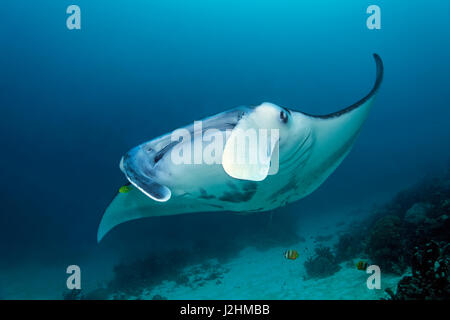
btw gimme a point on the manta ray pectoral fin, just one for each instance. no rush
(335, 133)
(126, 206)
(131, 204)
(316, 145)
(364, 102)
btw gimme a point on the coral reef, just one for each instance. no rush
(349, 246)
(322, 264)
(385, 245)
(418, 213)
(430, 274)
(74, 294)
(411, 230)
(133, 277)
(130, 280)
(324, 238)
(77, 294)
(97, 294)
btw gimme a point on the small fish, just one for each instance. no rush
(362, 265)
(125, 189)
(291, 254)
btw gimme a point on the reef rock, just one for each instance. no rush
(430, 274)
(385, 245)
(323, 264)
(418, 212)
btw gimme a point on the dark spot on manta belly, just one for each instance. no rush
(290, 186)
(257, 210)
(236, 195)
(205, 195)
(215, 206)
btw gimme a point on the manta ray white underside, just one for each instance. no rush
(309, 150)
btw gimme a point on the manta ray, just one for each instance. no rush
(309, 149)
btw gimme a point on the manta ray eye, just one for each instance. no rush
(283, 117)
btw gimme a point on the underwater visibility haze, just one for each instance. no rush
(87, 116)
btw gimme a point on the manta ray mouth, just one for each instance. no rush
(136, 168)
(140, 164)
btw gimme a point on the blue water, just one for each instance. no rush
(74, 101)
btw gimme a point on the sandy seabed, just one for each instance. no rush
(252, 274)
(256, 274)
(264, 275)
